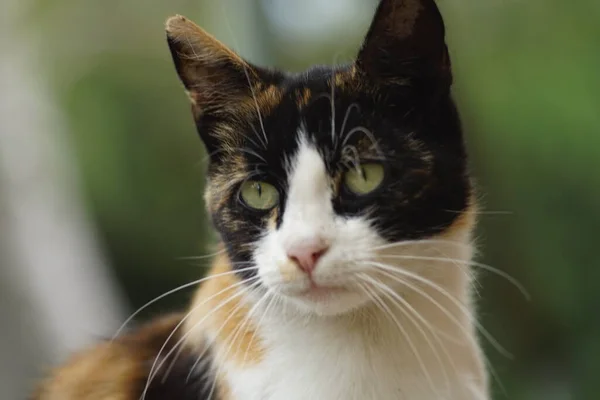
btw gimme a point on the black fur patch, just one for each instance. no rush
(178, 378)
(180, 384)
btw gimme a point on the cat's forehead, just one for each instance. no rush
(334, 109)
(321, 104)
(312, 110)
(321, 88)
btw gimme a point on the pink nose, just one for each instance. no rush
(306, 254)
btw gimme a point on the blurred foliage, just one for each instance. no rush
(528, 84)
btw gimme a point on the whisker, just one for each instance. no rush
(250, 86)
(202, 257)
(260, 118)
(333, 106)
(403, 306)
(486, 267)
(230, 151)
(154, 368)
(172, 291)
(248, 138)
(406, 304)
(353, 106)
(274, 299)
(391, 269)
(367, 133)
(386, 310)
(230, 343)
(473, 281)
(480, 212)
(258, 135)
(222, 326)
(252, 153)
(488, 336)
(422, 242)
(207, 347)
(243, 325)
(354, 162)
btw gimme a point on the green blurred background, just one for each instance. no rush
(528, 83)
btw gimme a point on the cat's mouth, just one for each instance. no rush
(321, 292)
(331, 295)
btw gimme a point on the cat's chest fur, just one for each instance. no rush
(330, 361)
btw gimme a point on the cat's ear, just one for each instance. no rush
(215, 77)
(405, 41)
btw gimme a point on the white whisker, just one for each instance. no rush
(274, 299)
(403, 307)
(367, 133)
(216, 333)
(488, 336)
(250, 85)
(333, 134)
(422, 242)
(392, 269)
(154, 368)
(386, 310)
(229, 341)
(481, 212)
(486, 267)
(202, 257)
(348, 112)
(207, 347)
(172, 291)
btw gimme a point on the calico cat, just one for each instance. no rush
(345, 209)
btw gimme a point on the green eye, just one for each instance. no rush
(259, 195)
(364, 179)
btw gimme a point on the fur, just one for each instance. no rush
(385, 311)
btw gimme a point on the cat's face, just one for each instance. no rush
(314, 177)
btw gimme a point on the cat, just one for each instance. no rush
(345, 208)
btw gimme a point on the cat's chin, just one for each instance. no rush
(326, 301)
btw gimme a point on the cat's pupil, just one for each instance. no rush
(258, 189)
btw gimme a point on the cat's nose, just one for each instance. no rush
(306, 254)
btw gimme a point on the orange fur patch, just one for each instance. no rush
(345, 79)
(223, 391)
(272, 223)
(303, 97)
(266, 99)
(111, 370)
(464, 223)
(237, 337)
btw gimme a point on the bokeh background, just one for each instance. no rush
(101, 171)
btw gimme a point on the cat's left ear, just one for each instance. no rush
(405, 41)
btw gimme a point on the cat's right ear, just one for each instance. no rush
(216, 79)
(213, 75)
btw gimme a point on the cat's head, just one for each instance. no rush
(316, 181)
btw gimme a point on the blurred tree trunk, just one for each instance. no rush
(55, 293)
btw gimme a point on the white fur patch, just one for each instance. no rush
(345, 345)
(309, 214)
